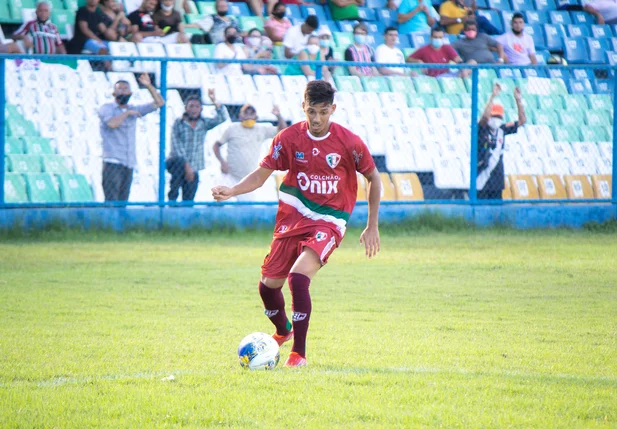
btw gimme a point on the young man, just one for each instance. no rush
(436, 53)
(518, 45)
(316, 199)
(389, 53)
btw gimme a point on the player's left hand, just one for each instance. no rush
(370, 239)
(221, 193)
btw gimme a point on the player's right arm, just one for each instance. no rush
(252, 181)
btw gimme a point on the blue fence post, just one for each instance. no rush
(473, 159)
(318, 72)
(614, 179)
(162, 133)
(2, 126)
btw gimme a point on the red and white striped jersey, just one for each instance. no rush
(44, 35)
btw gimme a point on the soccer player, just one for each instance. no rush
(316, 199)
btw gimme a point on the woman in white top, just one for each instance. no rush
(230, 49)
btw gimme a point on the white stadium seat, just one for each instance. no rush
(124, 49)
(582, 165)
(268, 84)
(294, 83)
(439, 116)
(392, 99)
(529, 166)
(585, 149)
(606, 150)
(560, 150)
(180, 50)
(219, 84)
(114, 77)
(399, 156)
(448, 173)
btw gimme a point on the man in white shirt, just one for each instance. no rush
(296, 38)
(518, 45)
(229, 49)
(389, 53)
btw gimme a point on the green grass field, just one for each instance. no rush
(487, 329)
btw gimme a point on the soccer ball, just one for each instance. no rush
(258, 351)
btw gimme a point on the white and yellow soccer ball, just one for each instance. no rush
(258, 351)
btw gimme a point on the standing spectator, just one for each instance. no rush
(436, 53)
(478, 48)
(115, 20)
(491, 135)
(389, 53)
(170, 21)
(41, 35)
(244, 142)
(518, 45)
(345, 10)
(296, 38)
(454, 14)
(215, 25)
(277, 25)
(360, 52)
(118, 125)
(89, 30)
(416, 16)
(312, 52)
(188, 136)
(230, 49)
(258, 47)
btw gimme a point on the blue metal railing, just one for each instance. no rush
(475, 69)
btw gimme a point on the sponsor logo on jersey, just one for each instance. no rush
(299, 155)
(276, 151)
(315, 151)
(315, 184)
(298, 317)
(271, 313)
(333, 159)
(321, 236)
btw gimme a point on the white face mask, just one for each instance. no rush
(313, 49)
(495, 123)
(254, 41)
(167, 8)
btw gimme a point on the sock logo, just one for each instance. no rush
(271, 313)
(298, 317)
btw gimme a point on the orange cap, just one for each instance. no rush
(497, 110)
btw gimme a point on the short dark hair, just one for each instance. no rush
(247, 107)
(231, 27)
(280, 3)
(360, 26)
(388, 29)
(437, 29)
(469, 23)
(312, 21)
(122, 81)
(518, 15)
(190, 98)
(319, 91)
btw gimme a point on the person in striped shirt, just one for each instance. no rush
(41, 35)
(316, 198)
(360, 51)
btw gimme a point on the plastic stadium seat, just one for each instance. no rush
(376, 4)
(5, 12)
(550, 187)
(509, 73)
(376, 39)
(575, 51)
(598, 117)
(559, 17)
(314, 9)
(578, 187)
(399, 155)
(527, 73)
(388, 193)
(448, 173)
(606, 147)
(448, 101)
(586, 149)
(401, 84)
(24, 163)
(41, 188)
(348, 83)
(240, 9)
(439, 116)
(37, 146)
(65, 21)
(426, 85)
(73, 5)
(247, 23)
(506, 16)
(522, 5)
(603, 86)
(452, 85)
(563, 74)
(560, 150)
(268, 83)
(543, 117)
(346, 26)
(554, 36)
(594, 134)
(375, 84)
(294, 83)
(602, 186)
(386, 16)
(493, 17)
(13, 146)
(542, 55)
(581, 17)
(376, 27)
(343, 40)
(570, 118)
(499, 5)
(530, 101)
(537, 34)
(596, 49)
(600, 102)
(422, 101)
(366, 14)
(580, 86)
(577, 30)
(545, 5)
(581, 74)
(57, 164)
(554, 102)
(408, 187)
(74, 188)
(536, 17)
(601, 31)
(15, 188)
(604, 166)
(523, 187)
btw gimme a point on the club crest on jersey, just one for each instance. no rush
(333, 159)
(321, 236)
(276, 151)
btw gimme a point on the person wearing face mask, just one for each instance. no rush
(118, 127)
(360, 52)
(312, 52)
(41, 35)
(230, 49)
(277, 25)
(170, 21)
(477, 47)
(296, 38)
(388, 53)
(216, 24)
(258, 47)
(491, 136)
(518, 45)
(244, 140)
(436, 53)
(188, 136)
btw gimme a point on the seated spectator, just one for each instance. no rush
(89, 30)
(343, 10)
(229, 49)
(296, 38)
(277, 25)
(389, 53)
(437, 53)
(115, 20)
(312, 52)
(478, 48)
(453, 14)
(518, 45)
(325, 45)
(416, 16)
(41, 35)
(143, 27)
(170, 21)
(215, 25)
(360, 52)
(258, 47)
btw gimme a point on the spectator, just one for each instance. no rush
(244, 142)
(325, 46)
(453, 14)
(437, 53)
(312, 52)
(478, 48)
(118, 126)
(360, 52)
(296, 38)
(343, 10)
(389, 53)
(215, 25)
(89, 30)
(41, 35)
(229, 49)
(605, 11)
(416, 16)
(188, 136)
(518, 45)
(258, 47)
(143, 27)
(170, 21)
(115, 20)
(277, 25)
(491, 136)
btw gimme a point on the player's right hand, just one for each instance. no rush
(221, 193)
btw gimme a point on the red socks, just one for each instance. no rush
(301, 310)
(274, 304)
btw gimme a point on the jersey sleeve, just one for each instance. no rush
(362, 157)
(277, 157)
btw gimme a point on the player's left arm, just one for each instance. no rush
(370, 235)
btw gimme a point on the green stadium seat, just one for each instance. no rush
(17, 5)
(20, 127)
(13, 146)
(568, 117)
(453, 85)
(594, 134)
(7, 164)
(57, 4)
(423, 101)
(74, 188)
(530, 101)
(596, 118)
(15, 188)
(426, 85)
(375, 84)
(553, 102)
(449, 101)
(191, 18)
(575, 102)
(41, 188)
(600, 101)
(401, 84)
(348, 83)
(206, 7)
(5, 12)
(12, 111)
(488, 74)
(63, 19)
(544, 117)
(203, 51)
(485, 86)
(71, 5)
(24, 163)
(278, 52)
(465, 100)
(558, 87)
(190, 31)
(505, 99)
(57, 164)
(38, 146)
(566, 133)
(247, 23)
(343, 40)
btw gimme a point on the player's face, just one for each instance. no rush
(318, 117)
